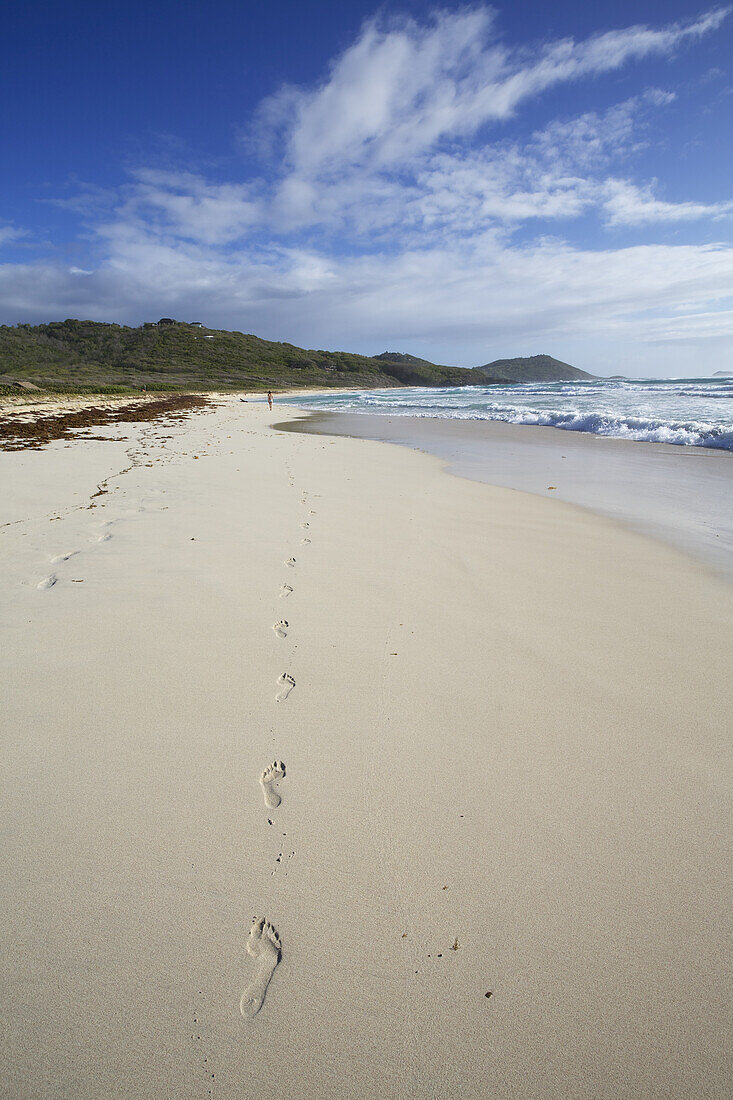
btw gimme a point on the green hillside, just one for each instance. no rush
(91, 355)
(408, 368)
(530, 368)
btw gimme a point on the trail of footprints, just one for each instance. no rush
(151, 501)
(61, 559)
(101, 533)
(263, 943)
(148, 504)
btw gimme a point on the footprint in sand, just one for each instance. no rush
(305, 542)
(264, 946)
(63, 557)
(305, 525)
(270, 776)
(291, 562)
(285, 590)
(47, 582)
(287, 683)
(281, 628)
(104, 530)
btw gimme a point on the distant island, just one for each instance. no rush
(532, 368)
(94, 356)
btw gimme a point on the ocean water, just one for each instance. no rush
(688, 412)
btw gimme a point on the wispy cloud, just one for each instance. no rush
(10, 233)
(190, 207)
(405, 86)
(627, 204)
(406, 123)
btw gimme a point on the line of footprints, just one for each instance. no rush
(100, 532)
(59, 559)
(263, 943)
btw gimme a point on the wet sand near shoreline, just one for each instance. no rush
(683, 495)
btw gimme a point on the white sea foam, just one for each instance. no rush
(690, 412)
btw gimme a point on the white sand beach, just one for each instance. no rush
(500, 862)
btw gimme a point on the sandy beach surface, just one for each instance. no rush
(500, 865)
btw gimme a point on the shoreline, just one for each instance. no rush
(499, 864)
(674, 494)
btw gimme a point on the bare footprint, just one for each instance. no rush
(63, 557)
(285, 590)
(104, 530)
(305, 525)
(287, 683)
(281, 628)
(305, 542)
(269, 776)
(264, 946)
(47, 582)
(290, 562)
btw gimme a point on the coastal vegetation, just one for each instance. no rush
(168, 355)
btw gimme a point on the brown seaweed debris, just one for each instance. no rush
(19, 433)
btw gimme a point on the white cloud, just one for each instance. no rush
(187, 205)
(627, 204)
(690, 329)
(10, 233)
(591, 140)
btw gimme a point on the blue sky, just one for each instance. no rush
(461, 182)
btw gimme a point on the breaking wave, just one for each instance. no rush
(684, 412)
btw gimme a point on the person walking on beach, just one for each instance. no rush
(269, 399)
